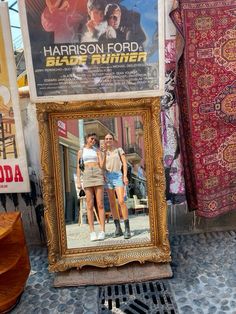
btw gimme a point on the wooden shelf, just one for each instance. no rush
(14, 260)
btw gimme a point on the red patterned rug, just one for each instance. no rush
(206, 86)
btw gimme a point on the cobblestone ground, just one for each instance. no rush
(204, 267)
(41, 298)
(78, 236)
(204, 281)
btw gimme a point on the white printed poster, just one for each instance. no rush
(14, 176)
(86, 50)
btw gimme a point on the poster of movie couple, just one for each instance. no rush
(93, 49)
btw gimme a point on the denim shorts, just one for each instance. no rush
(114, 180)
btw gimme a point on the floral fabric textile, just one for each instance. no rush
(206, 84)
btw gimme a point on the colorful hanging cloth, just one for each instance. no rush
(206, 89)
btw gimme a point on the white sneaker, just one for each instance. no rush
(101, 235)
(93, 236)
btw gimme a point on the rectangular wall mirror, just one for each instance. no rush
(127, 131)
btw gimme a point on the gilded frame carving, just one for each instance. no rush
(60, 257)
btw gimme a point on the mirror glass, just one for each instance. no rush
(106, 145)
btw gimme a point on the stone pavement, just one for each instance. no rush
(204, 268)
(40, 297)
(204, 281)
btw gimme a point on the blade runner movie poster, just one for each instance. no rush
(92, 48)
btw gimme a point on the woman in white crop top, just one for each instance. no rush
(116, 180)
(93, 183)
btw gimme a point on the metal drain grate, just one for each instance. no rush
(137, 298)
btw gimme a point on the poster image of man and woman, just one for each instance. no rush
(100, 43)
(92, 21)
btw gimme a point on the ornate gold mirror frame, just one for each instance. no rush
(60, 257)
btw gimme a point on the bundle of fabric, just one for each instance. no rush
(175, 188)
(206, 88)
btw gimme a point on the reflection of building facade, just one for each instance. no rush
(100, 126)
(128, 134)
(68, 132)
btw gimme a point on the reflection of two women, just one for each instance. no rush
(95, 162)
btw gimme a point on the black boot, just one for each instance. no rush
(118, 231)
(127, 233)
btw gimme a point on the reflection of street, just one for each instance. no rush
(78, 236)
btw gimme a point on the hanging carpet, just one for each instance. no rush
(206, 88)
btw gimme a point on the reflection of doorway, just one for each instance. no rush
(68, 157)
